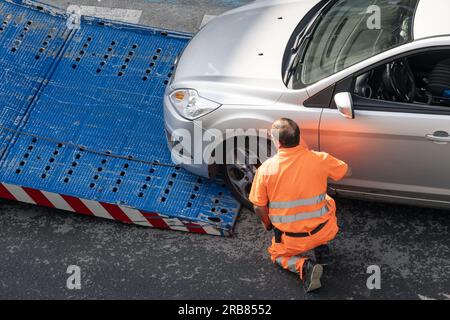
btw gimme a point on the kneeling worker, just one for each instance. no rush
(290, 196)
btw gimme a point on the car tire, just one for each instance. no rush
(234, 190)
(239, 178)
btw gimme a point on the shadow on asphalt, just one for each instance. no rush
(118, 261)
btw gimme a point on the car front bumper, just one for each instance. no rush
(174, 125)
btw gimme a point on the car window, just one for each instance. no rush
(420, 79)
(351, 31)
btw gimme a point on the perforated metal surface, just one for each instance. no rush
(100, 87)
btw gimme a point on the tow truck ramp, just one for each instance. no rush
(81, 123)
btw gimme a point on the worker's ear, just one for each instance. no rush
(274, 134)
(277, 144)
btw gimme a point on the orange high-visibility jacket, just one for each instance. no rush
(293, 184)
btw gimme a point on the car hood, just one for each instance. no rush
(237, 57)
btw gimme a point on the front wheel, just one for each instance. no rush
(239, 177)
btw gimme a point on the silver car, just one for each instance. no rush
(367, 81)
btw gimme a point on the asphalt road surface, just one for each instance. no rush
(410, 245)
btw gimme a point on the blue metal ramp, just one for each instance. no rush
(81, 123)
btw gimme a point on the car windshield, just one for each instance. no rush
(351, 31)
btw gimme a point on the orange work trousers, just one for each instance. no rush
(290, 253)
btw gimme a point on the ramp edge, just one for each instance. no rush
(128, 215)
(108, 211)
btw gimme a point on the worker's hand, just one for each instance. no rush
(263, 214)
(268, 226)
(267, 223)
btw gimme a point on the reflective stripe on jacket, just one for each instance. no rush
(286, 215)
(293, 185)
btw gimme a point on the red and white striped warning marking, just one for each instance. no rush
(102, 210)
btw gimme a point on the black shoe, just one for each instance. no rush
(323, 255)
(312, 272)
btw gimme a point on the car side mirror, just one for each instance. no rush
(344, 103)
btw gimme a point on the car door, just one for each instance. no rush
(397, 151)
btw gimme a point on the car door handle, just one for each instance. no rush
(439, 136)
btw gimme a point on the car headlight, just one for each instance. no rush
(190, 105)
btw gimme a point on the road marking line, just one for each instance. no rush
(123, 15)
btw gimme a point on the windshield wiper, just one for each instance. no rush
(298, 41)
(302, 42)
(299, 49)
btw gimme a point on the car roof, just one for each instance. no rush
(432, 19)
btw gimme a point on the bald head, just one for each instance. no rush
(287, 132)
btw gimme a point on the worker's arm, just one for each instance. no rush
(263, 214)
(258, 196)
(337, 169)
